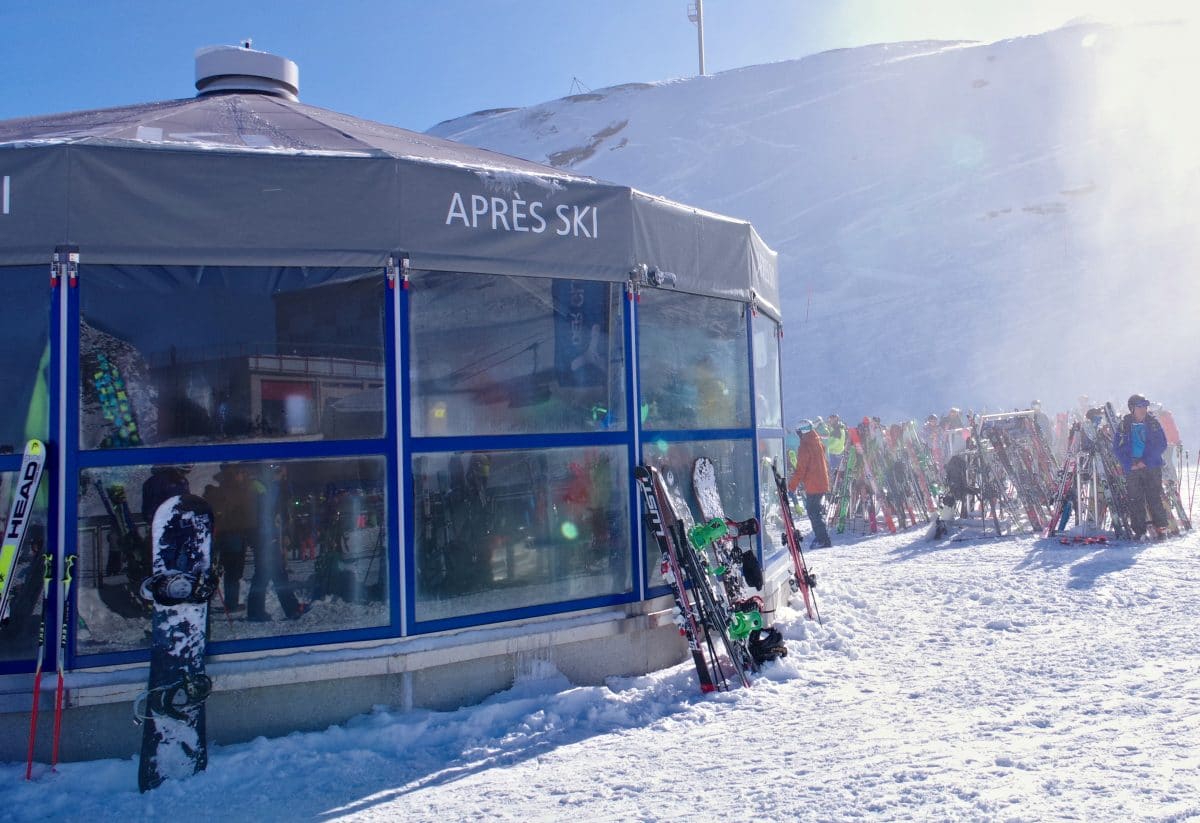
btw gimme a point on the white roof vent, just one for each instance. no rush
(223, 69)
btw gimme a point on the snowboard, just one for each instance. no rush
(708, 496)
(25, 489)
(171, 710)
(735, 568)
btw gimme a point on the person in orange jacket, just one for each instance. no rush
(812, 472)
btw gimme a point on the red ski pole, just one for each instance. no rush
(65, 610)
(41, 655)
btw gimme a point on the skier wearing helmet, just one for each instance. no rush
(813, 474)
(1139, 443)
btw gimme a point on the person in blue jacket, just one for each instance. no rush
(1139, 443)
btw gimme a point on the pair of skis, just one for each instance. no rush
(25, 493)
(694, 611)
(802, 579)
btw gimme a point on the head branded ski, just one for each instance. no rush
(25, 491)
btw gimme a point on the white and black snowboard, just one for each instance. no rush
(174, 744)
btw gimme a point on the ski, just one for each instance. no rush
(802, 579)
(667, 534)
(24, 496)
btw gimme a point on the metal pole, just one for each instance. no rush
(696, 15)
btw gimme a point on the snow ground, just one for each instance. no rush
(1002, 679)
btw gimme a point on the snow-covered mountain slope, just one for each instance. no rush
(958, 224)
(1002, 679)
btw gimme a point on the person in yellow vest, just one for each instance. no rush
(835, 442)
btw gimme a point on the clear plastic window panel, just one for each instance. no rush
(770, 452)
(25, 340)
(694, 364)
(175, 355)
(505, 530)
(18, 639)
(301, 546)
(768, 405)
(515, 355)
(733, 460)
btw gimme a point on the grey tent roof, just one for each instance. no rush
(248, 122)
(252, 179)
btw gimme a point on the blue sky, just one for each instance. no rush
(413, 64)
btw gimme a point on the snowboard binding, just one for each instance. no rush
(174, 588)
(173, 700)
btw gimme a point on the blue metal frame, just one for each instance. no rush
(76, 460)
(397, 448)
(633, 414)
(413, 446)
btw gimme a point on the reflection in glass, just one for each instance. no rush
(18, 639)
(508, 529)
(302, 545)
(770, 450)
(24, 339)
(735, 481)
(695, 366)
(515, 355)
(768, 406)
(207, 354)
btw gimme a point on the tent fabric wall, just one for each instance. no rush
(252, 180)
(33, 185)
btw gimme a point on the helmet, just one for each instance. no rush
(933, 418)
(1036, 404)
(804, 426)
(1136, 400)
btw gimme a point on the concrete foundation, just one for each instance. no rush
(275, 693)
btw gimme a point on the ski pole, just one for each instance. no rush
(37, 676)
(65, 610)
(224, 608)
(1192, 491)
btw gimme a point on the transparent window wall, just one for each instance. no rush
(694, 362)
(734, 461)
(500, 530)
(286, 532)
(495, 355)
(175, 355)
(499, 527)
(768, 407)
(770, 452)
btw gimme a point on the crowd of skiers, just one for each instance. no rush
(1020, 468)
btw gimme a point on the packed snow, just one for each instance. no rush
(1000, 679)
